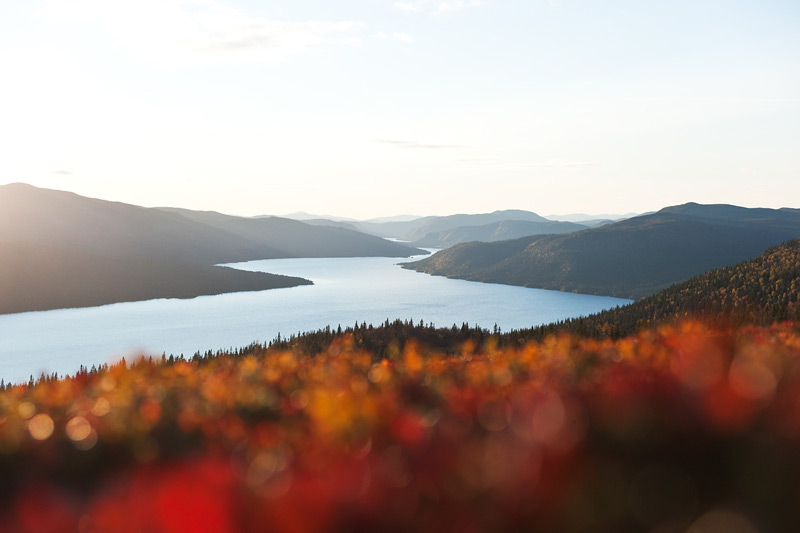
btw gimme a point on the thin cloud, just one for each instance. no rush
(416, 145)
(482, 160)
(719, 100)
(560, 163)
(396, 36)
(552, 163)
(749, 170)
(267, 38)
(555, 163)
(199, 31)
(437, 6)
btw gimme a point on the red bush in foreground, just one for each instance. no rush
(684, 428)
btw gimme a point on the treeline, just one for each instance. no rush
(385, 341)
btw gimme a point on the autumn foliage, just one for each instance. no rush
(684, 427)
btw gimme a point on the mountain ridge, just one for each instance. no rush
(59, 249)
(494, 231)
(630, 258)
(758, 291)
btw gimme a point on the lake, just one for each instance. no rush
(345, 291)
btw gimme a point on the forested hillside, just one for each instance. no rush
(759, 291)
(61, 219)
(273, 237)
(628, 259)
(58, 249)
(35, 278)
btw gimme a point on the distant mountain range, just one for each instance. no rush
(591, 220)
(494, 231)
(58, 249)
(302, 215)
(329, 222)
(446, 231)
(421, 227)
(631, 258)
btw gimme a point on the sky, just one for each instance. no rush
(367, 108)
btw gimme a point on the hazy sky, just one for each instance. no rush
(377, 107)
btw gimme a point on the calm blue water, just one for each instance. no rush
(345, 291)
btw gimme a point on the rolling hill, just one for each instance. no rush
(495, 231)
(411, 230)
(62, 219)
(35, 277)
(283, 237)
(439, 224)
(329, 222)
(759, 291)
(630, 259)
(59, 249)
(444, 231)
